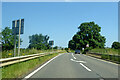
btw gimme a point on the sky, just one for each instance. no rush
(60, 20)
(60, 0)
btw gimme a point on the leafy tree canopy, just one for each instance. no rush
(89, 33)
(8, 39)
(116, 45)
(56, 47)
(38, 41)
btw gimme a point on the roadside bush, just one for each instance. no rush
(86, 50)
(116, 45)
(111, 57)
(104, 56)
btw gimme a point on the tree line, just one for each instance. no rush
(37, 41)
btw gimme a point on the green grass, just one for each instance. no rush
(71, 51)
(108, 54)
(111, 57)
(105, 51)
(20, 69)
(10, 53)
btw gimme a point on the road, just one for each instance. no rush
(79, 66)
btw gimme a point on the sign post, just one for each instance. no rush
(51, 43)
(19, 37)
(15, 22)
(17, 29)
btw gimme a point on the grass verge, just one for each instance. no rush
(113, 58)
(108, 54)
(18, 70)
(105, 51)
(23, 52)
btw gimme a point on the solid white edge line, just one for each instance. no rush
(73, 56)
(85, 67)
(28, 76)
(101, 60)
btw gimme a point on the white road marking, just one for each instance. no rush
(85, 67)
(28, 76)
(101, 60)
(78, 61)
(73, 56)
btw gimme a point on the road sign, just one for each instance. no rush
(87, 45)
(15, 29)
(83, 49)
(51, 43)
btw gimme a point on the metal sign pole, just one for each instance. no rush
(15, 38)
(19, 37)
(52, 46)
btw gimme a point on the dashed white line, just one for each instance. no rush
(85, 67)
(28, 76)
(73, 56)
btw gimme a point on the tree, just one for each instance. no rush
(71, 44)
(56, 47)
(38, 41)
(116, 45)
(89, 33)
(8, 39)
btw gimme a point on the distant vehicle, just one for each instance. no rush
(77, 51)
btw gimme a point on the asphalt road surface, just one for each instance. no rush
(70, 65)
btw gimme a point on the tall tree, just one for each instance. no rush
(116, 45)
(8, 39)
(38, 41)
(89, 33)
